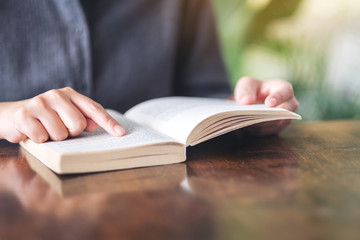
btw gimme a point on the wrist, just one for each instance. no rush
(7, 110)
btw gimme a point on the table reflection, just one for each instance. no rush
(132, 180)
(93, 206)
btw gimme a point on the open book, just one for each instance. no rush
(157, 133)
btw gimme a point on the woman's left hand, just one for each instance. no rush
(273, 93)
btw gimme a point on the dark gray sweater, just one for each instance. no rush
(117, 52)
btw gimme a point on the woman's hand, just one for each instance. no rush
(274, 93)
(56, 115)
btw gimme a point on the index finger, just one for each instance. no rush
(97, 113)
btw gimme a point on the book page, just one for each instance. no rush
(100, 140)
(178, 116)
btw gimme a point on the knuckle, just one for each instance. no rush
(68, 90)
(55, 94)
(289, 87)
(288, 91)
(38, 102)
(21, 114)
(96, 107)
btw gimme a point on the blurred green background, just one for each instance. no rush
(314, 44)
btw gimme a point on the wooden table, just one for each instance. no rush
(304, 184)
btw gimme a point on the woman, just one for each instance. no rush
(61, 61)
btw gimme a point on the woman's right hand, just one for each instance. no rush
(56, 115)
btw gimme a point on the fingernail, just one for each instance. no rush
(119, 130)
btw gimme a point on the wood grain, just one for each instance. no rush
(303, 184)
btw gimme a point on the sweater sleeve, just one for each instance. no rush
(200, 69)
(43, 45)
